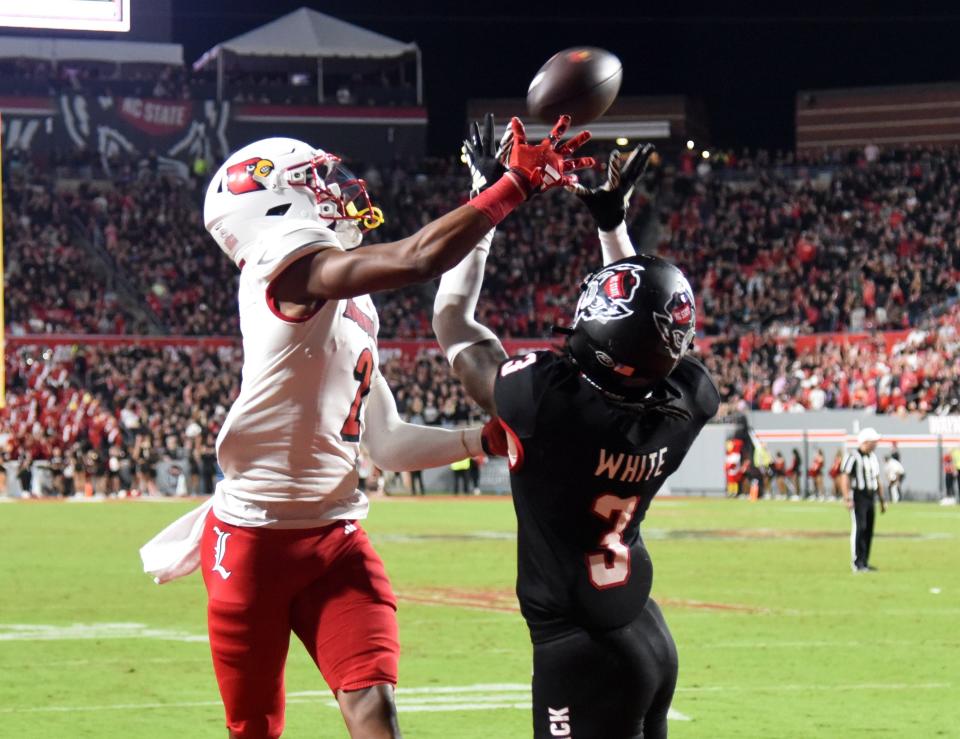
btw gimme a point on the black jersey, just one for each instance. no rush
(584, 470)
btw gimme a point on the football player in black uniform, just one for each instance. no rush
(592, 431)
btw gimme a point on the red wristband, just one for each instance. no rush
(498, 200)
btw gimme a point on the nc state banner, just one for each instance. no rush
(177, 131)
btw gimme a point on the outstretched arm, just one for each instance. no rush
(332, 274)
(608, 203)
(398, 446)
(473, 350)
(438, 246)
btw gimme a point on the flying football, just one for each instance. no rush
(582, 82)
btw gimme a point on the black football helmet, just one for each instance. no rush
(634, 322)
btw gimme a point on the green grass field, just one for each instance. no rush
(777, 638)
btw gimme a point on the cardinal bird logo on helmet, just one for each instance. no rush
(245, 176)
(607, 295)
(677, 323)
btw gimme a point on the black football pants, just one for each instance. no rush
(611, 685)
(861, 536)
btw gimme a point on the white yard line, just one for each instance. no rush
(432, 699)
(853, 643)
(792, 688)
(480, 697)
(79, 631)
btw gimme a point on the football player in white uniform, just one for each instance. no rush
(281, 549)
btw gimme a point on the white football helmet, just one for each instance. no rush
(275, 180)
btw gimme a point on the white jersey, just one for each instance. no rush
(289, 446)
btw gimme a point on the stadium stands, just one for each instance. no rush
(815, 246)
(779, 249)
(81, 406)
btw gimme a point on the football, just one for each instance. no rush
(582, 82)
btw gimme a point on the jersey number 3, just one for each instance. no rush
(610, 565)
(363, 372)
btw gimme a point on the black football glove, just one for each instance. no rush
(483, 155)
(608, 203)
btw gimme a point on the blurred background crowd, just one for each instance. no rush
(778, 249)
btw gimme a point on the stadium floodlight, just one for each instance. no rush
(622, 141)
(690, 143)
(705, 154)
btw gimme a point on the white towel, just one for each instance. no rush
(175, 551)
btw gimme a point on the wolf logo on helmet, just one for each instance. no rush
(607, 295)
(244, 177)
(677, 323)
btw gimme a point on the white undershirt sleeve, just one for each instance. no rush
(616, 244)
(398, 446)
(455, 306)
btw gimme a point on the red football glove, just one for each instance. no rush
(547, 164)
(493, 438)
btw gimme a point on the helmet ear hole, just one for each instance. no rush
(279, 210)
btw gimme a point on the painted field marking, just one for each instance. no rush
(110, 707)
(480, 697)
(462, 536)
(57, 664)
(505, 601)
(76, 631)
(853, 643)
(793, 688)
(433, 699)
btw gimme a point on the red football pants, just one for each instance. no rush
(327, 585)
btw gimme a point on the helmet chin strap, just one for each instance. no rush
(658, 397)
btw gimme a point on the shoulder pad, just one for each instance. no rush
(279, 246)
(519, 388)
(698, 385)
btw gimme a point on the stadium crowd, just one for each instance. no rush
(777, 247)
(780, 247)
(116, 417)
(833, 244)
(51, 286)
(919, 374)
(145, 418)
(124, 418)
(39, 78)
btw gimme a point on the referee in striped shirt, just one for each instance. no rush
(860, 483)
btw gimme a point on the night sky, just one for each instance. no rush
(746, 66)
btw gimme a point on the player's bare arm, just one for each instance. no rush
(843, 481)
(474, 351)
(477, 365)
(332, 274)
(438, 246)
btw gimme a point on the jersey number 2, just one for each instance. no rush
(610, 565)
(362, 373)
